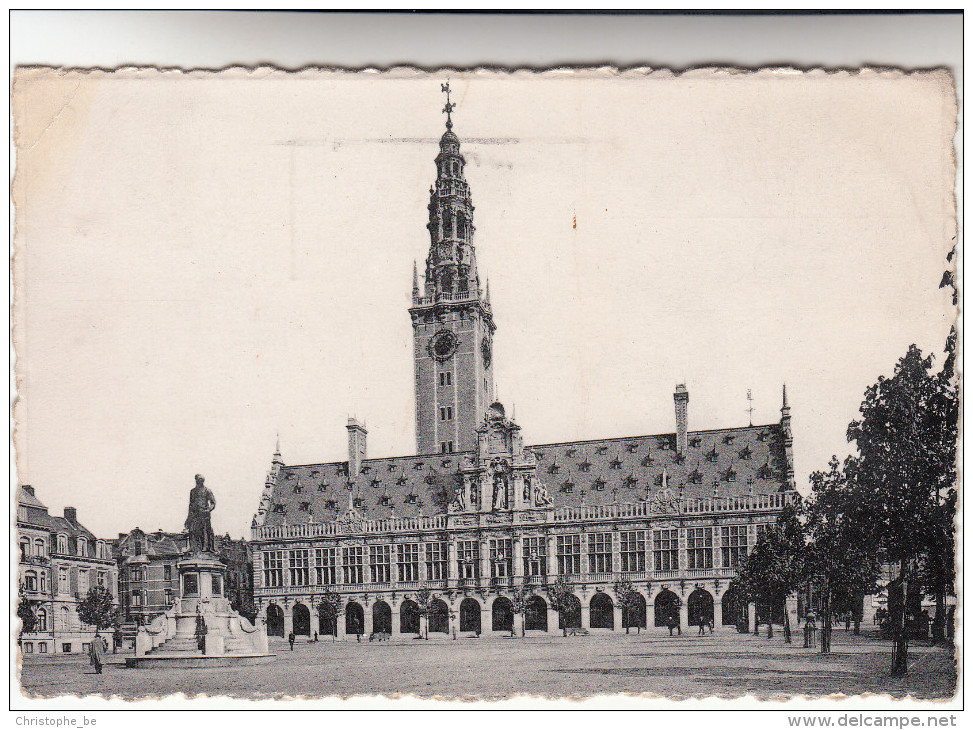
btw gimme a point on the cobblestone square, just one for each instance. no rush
(725, 664)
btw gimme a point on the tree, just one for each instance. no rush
(424, 599)
(906, 468)
(842, 556)
(330, 604)
(98, 608)
(518, 601)
(776, 566)
(628, 600)
(25, 611)
(561, 593)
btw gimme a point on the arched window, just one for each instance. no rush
(41, 620)
(62, 544)
(65, 618)
(82, 547)
(30, 580)
(24, 548)
(40, 549)
(43, 581)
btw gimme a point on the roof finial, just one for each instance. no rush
(488, 290)
(784, 405)
(277, 447)
(415, 279)
(448, 109)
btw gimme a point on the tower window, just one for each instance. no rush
(446, 413)
(445, 378)
(446, 447)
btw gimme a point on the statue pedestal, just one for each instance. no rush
(202, 598)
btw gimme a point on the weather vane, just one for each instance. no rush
(448, 109)
(750, 405)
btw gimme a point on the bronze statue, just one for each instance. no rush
(201, 504)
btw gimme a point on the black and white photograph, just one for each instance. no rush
(474, 384)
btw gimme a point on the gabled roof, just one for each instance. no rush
(600, 471)
(75, 529)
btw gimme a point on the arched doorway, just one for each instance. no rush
(381, 618)
(354, 619)
(503, 614)
(569, 617)
(469, 615)
(438, 617)
(634, 616)
(535, 615)
(409, 617)
(327, 620)
(302, 620)
(732, 607)
(666, 608)
(275, 620)
(602, 611)
(700, 606)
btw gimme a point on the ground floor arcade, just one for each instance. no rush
(471, 612)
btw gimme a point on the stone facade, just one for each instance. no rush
(471, 535)
(60, 559)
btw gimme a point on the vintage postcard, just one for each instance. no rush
(485, 384)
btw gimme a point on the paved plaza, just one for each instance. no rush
(725, 664)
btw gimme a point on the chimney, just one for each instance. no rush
(29, 489)
(357, 436)
(681, 398)
(71, 515)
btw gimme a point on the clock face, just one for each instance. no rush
(486, 351)
(443, 345)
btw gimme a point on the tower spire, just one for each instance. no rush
(448, 109)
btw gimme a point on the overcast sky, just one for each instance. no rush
(205, 261)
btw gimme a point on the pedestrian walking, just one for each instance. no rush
(702, 625)
(116, 640)
(290, 640)
(96, 652)
(673, 624)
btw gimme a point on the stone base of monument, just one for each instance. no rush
(201, 617)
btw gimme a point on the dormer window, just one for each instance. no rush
(341, 469)
(430, 479)
(679, 458)
(602, 449)
(418, 466)
(647, 460)
(657, 480)
(298, 488)
(323, 487)
(62, 544)
(584, 465)
(598, 485)
(765, 472)
(711, 455)
(745, 453)
(411, 498)
(631, 481)
(305, 507)
(401, 480)
(567, 487)
(331, 504)
(553, 469)
(632, 447)
(729, 475)
(570, 452)
(280, 508)
(385, 500)
(359, 503)
(615, 464)
(375, 483)
(762, 436)
(728, 439)
(539, 455)
(695, 441)
(314, 472)
(365, 469)
(447, 463)
(391, 467)
(696, 476)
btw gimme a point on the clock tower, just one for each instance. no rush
(452, 324)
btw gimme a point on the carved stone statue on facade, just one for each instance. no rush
(499, 484)
(198, 524)
(540, 495)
